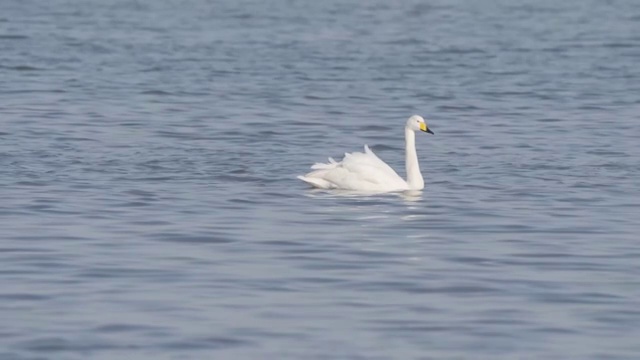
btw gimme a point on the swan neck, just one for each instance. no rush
(414, 177)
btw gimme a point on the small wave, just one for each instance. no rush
(13, 37)
(21, 68)
(72, 138)
(155, 92)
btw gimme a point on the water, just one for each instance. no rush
(148, 154)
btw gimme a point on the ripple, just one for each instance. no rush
(211, 343)
(117, 328)
(156, 92)
(59, 344)
(12, 36)
(207, 238)
(24, 297)
(21, 68)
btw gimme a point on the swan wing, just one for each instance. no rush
(357, 171)
(374, 160)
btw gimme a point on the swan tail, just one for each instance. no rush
(316, 182)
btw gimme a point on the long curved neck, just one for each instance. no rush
(414, 177)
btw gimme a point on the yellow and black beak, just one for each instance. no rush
(424, 128)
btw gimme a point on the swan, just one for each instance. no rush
(366, 172)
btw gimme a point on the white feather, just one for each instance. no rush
(364, 171)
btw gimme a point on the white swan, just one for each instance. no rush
(366, 172)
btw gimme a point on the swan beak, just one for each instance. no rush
(424, 128)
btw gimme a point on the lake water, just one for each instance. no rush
(149, 207)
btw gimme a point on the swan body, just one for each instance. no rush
(364, 171)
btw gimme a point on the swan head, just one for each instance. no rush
(417, 123)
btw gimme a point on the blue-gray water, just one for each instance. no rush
(149, 207)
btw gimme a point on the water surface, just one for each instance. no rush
(149, 207)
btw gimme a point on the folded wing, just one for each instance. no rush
(357, 171)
